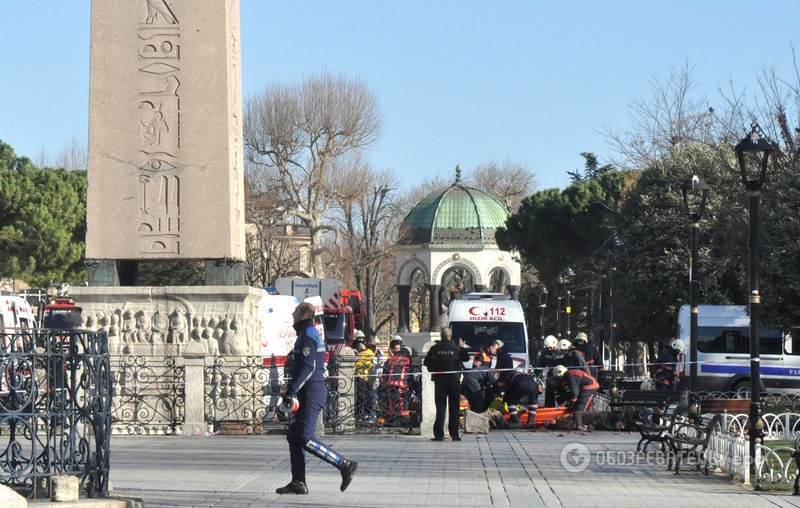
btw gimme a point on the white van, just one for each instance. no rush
(15, 313)
(480, 318)
(723, 350)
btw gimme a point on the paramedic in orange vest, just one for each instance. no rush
(578, 388)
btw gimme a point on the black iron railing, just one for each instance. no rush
(149, 394)
(55, 409)
(241, 389)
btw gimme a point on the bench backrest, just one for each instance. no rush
(650, 396)
(718, 406)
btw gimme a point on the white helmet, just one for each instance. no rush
(678, 344)
(581, 337)
(559, 371)
(550, 342)
(358, 334)
(564, 345)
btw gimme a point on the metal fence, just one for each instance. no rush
(779, 401)
(241, 389)
(148, 394)
(55, 409)
(241, 393)
(374, 402)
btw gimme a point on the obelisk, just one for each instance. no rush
(165, 134)
(166, 178)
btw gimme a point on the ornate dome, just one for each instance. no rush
(455, 215)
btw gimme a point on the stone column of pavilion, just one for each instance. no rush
(447, 239)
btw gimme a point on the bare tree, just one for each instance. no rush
(297, 133)
(367, 219)
(73, 155)
(509, 181)
(271, 253)
(670, 116)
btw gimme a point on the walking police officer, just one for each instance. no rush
(307, 389)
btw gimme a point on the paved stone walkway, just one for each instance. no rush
(510, 468)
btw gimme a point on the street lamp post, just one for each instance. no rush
(562, 280)
(612, 358)
(541, 294)
(568, 311)
(695, 209)
(755, 147)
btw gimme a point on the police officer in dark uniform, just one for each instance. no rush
(307, 388)
(446, 357)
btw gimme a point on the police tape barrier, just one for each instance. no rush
(523, 370)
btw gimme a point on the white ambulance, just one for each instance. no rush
(277, 326)
(15, 313)
(480, 318)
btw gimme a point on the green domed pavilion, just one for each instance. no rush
(447, 242)
(455, 215)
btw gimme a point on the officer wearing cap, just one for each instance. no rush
(307, 389)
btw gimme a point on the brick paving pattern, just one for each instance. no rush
(508, 468)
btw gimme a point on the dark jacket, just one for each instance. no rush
(445, 356)
(504, 364)
(521, 389)
(667, 369)
(477, 379)
(576, 381)
(593, 359)
(548, 359)
(574, 359)
(308, 358)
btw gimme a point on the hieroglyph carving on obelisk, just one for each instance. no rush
(165, 133)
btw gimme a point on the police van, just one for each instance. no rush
(480, 318)
(723, 350)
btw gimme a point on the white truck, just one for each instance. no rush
(301, 288)
(343, 309)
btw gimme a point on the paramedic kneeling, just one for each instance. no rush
(578, 388)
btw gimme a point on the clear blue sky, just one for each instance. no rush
(458, 80)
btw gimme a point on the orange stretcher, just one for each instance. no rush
(550, 415)
(544, 416)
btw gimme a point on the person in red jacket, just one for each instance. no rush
(578, 390)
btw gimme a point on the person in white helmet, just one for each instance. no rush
(668, 370)
(548, 356)
(590, 354)
(577, 388)
(571, 357)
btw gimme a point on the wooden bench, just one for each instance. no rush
(720, 406)
(643, 398)
(690, 439)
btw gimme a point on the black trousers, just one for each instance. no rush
(446, 398)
